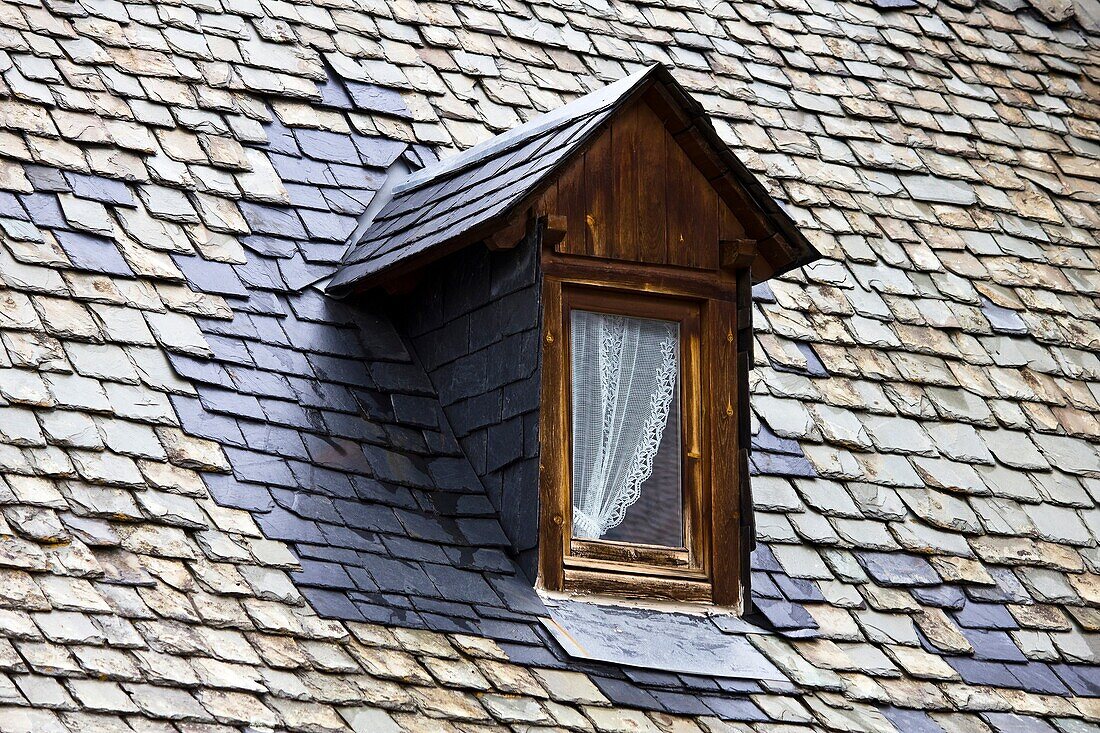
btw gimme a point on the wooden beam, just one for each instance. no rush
(509, 236)
(737, 254)
(554, 229)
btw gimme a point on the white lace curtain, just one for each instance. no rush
(624, 378)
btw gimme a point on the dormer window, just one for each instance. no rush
(628, 237)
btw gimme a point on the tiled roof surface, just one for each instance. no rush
(197, 445)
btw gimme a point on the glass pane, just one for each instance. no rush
(626, 429)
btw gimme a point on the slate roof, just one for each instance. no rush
(229, 501)
(467, 196)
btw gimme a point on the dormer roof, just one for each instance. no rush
(464, 199)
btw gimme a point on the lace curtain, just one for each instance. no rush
(624, 378)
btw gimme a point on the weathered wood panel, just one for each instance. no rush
(637, 196)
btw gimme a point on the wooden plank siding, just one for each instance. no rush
(635, 195)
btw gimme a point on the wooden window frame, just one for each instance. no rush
(708, 569)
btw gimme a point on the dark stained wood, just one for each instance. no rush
(553, 443)
(640, 277)
(736, 254)
(637, 586)
(508, 236)
(570, 202)
(692, 212)
(555, 228)
(724, 405)
(729, 227)
(598, 214)
(626, 179)
(650, 211)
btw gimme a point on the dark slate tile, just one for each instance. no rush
(273, 439)
(333, 93)
(814, 367)
(778, 464)
(195, 369)
(461, 585)
(322, 480)
(377, 99)
(762, 558)
(46, 178)
(388, 615)
(280, 138)
(296, 169)
(280, 359)
(420, 526)
(331, 604)
(261, 272)
(651, 677)
(731, 708)
(229, 349)
(227, 491)
(347, 201)
(738, 686)
(397, 468)
(993, 646)
(397, 576)
(949, 597)
(1038, 678)
(977, 672)
(985, 616)
(343, 425)
(326, 146)
(44, 210)
(337, 453)
(279, 524)
(1008, 588)
(304, 196)
(440, 607)
(197, 421)
(327, 553)
(94, 254)
(291, 414)
(766, 440)
(680, 703)
(260, 383)
(1014, 723)
(410, 549)
(230, 402)
(764, 587)
(1082, 679)
(322, 574)
(105, 190)
(911, 721)
(363, 515)
(707, 684)
(1003, 320)
(307, 505)
(351, 539)
(518, 594)
(11, 208)
(277, 220)
(378, 152)
(259, 468)
(621, 692)
(356, 176)
(313, 393)
(451, 624)
(270, 246)
(300, 274)
(784, 615)
(894, 569)
(798, 590)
